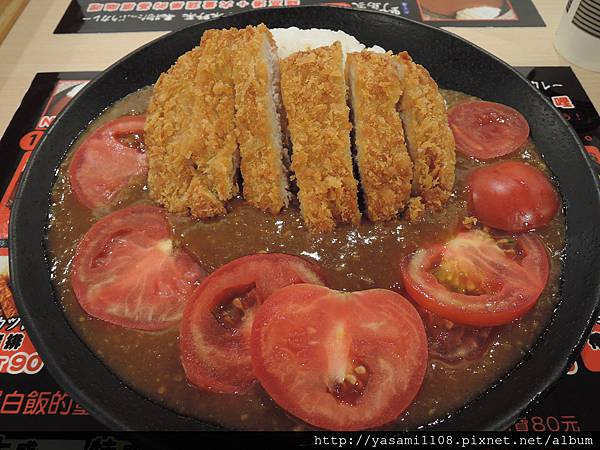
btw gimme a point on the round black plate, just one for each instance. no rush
(455, 64)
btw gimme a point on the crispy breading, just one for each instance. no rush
(469, 222)
(429, 138)
(257, 118)
(415, 209)
(7, 303)
(190, 131)
(314, 95)
(383, 162)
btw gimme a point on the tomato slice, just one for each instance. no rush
(126, 270)
(487, 130)
(108, 160)
(511, 196)
(215, 331)
(473, 281)
(452, 343)
(339, 360)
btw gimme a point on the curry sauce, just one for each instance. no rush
(354, 258)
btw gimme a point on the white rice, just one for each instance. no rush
(293, 39)
(478, 13)
(3, 265)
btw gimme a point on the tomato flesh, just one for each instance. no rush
(511, 196)
(127, 272)
(506, 284)
(215, 331)
(487, 130)
(338, 360)
(108, 160)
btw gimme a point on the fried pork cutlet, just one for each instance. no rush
(190, 130)
(383, 162)
(7, 303)
(257, 118)
(430, 140)
(314, 95)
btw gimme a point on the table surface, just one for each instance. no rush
(9, 12)
(30, 47)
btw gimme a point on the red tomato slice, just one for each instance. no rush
(452, 343)
(511, 196)
(127, 272)
(487, 130)
(339, 360)
(482, 284)
(215, 331)
(108, 160)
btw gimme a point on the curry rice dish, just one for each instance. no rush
(221, 102)
(219, 264)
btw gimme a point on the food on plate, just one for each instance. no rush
(193, 163)
(383, 162)
(487, 130)
(190, 130)
(474, 279)
(108, 160)
(258, 112)
(430, 141)
(8, 308)
(313, 89)
(452, 343)
(215, 331)
(339, 360)
(511, 196)
(131, 274)
(127, 270)
(293, 39)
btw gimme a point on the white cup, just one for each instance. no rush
(578, 35)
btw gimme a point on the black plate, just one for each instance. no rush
(455, 64)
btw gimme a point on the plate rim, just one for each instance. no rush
(58, 373)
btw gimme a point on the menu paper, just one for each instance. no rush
(30, 399)
(87, 16)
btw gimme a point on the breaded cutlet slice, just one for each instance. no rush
(428, 135)
(190, 130)
(314, 95)
(258, 107)
(383, 162)
(7, 302)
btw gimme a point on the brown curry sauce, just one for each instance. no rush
(354, 258)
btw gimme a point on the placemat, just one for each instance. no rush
(87, 16)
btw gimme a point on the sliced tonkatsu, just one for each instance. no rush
(219, 109)
(190, 130)
(428, 135)
(383, 162)
(314, 95)
(258, 107)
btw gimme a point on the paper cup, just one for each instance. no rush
(578, 35)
